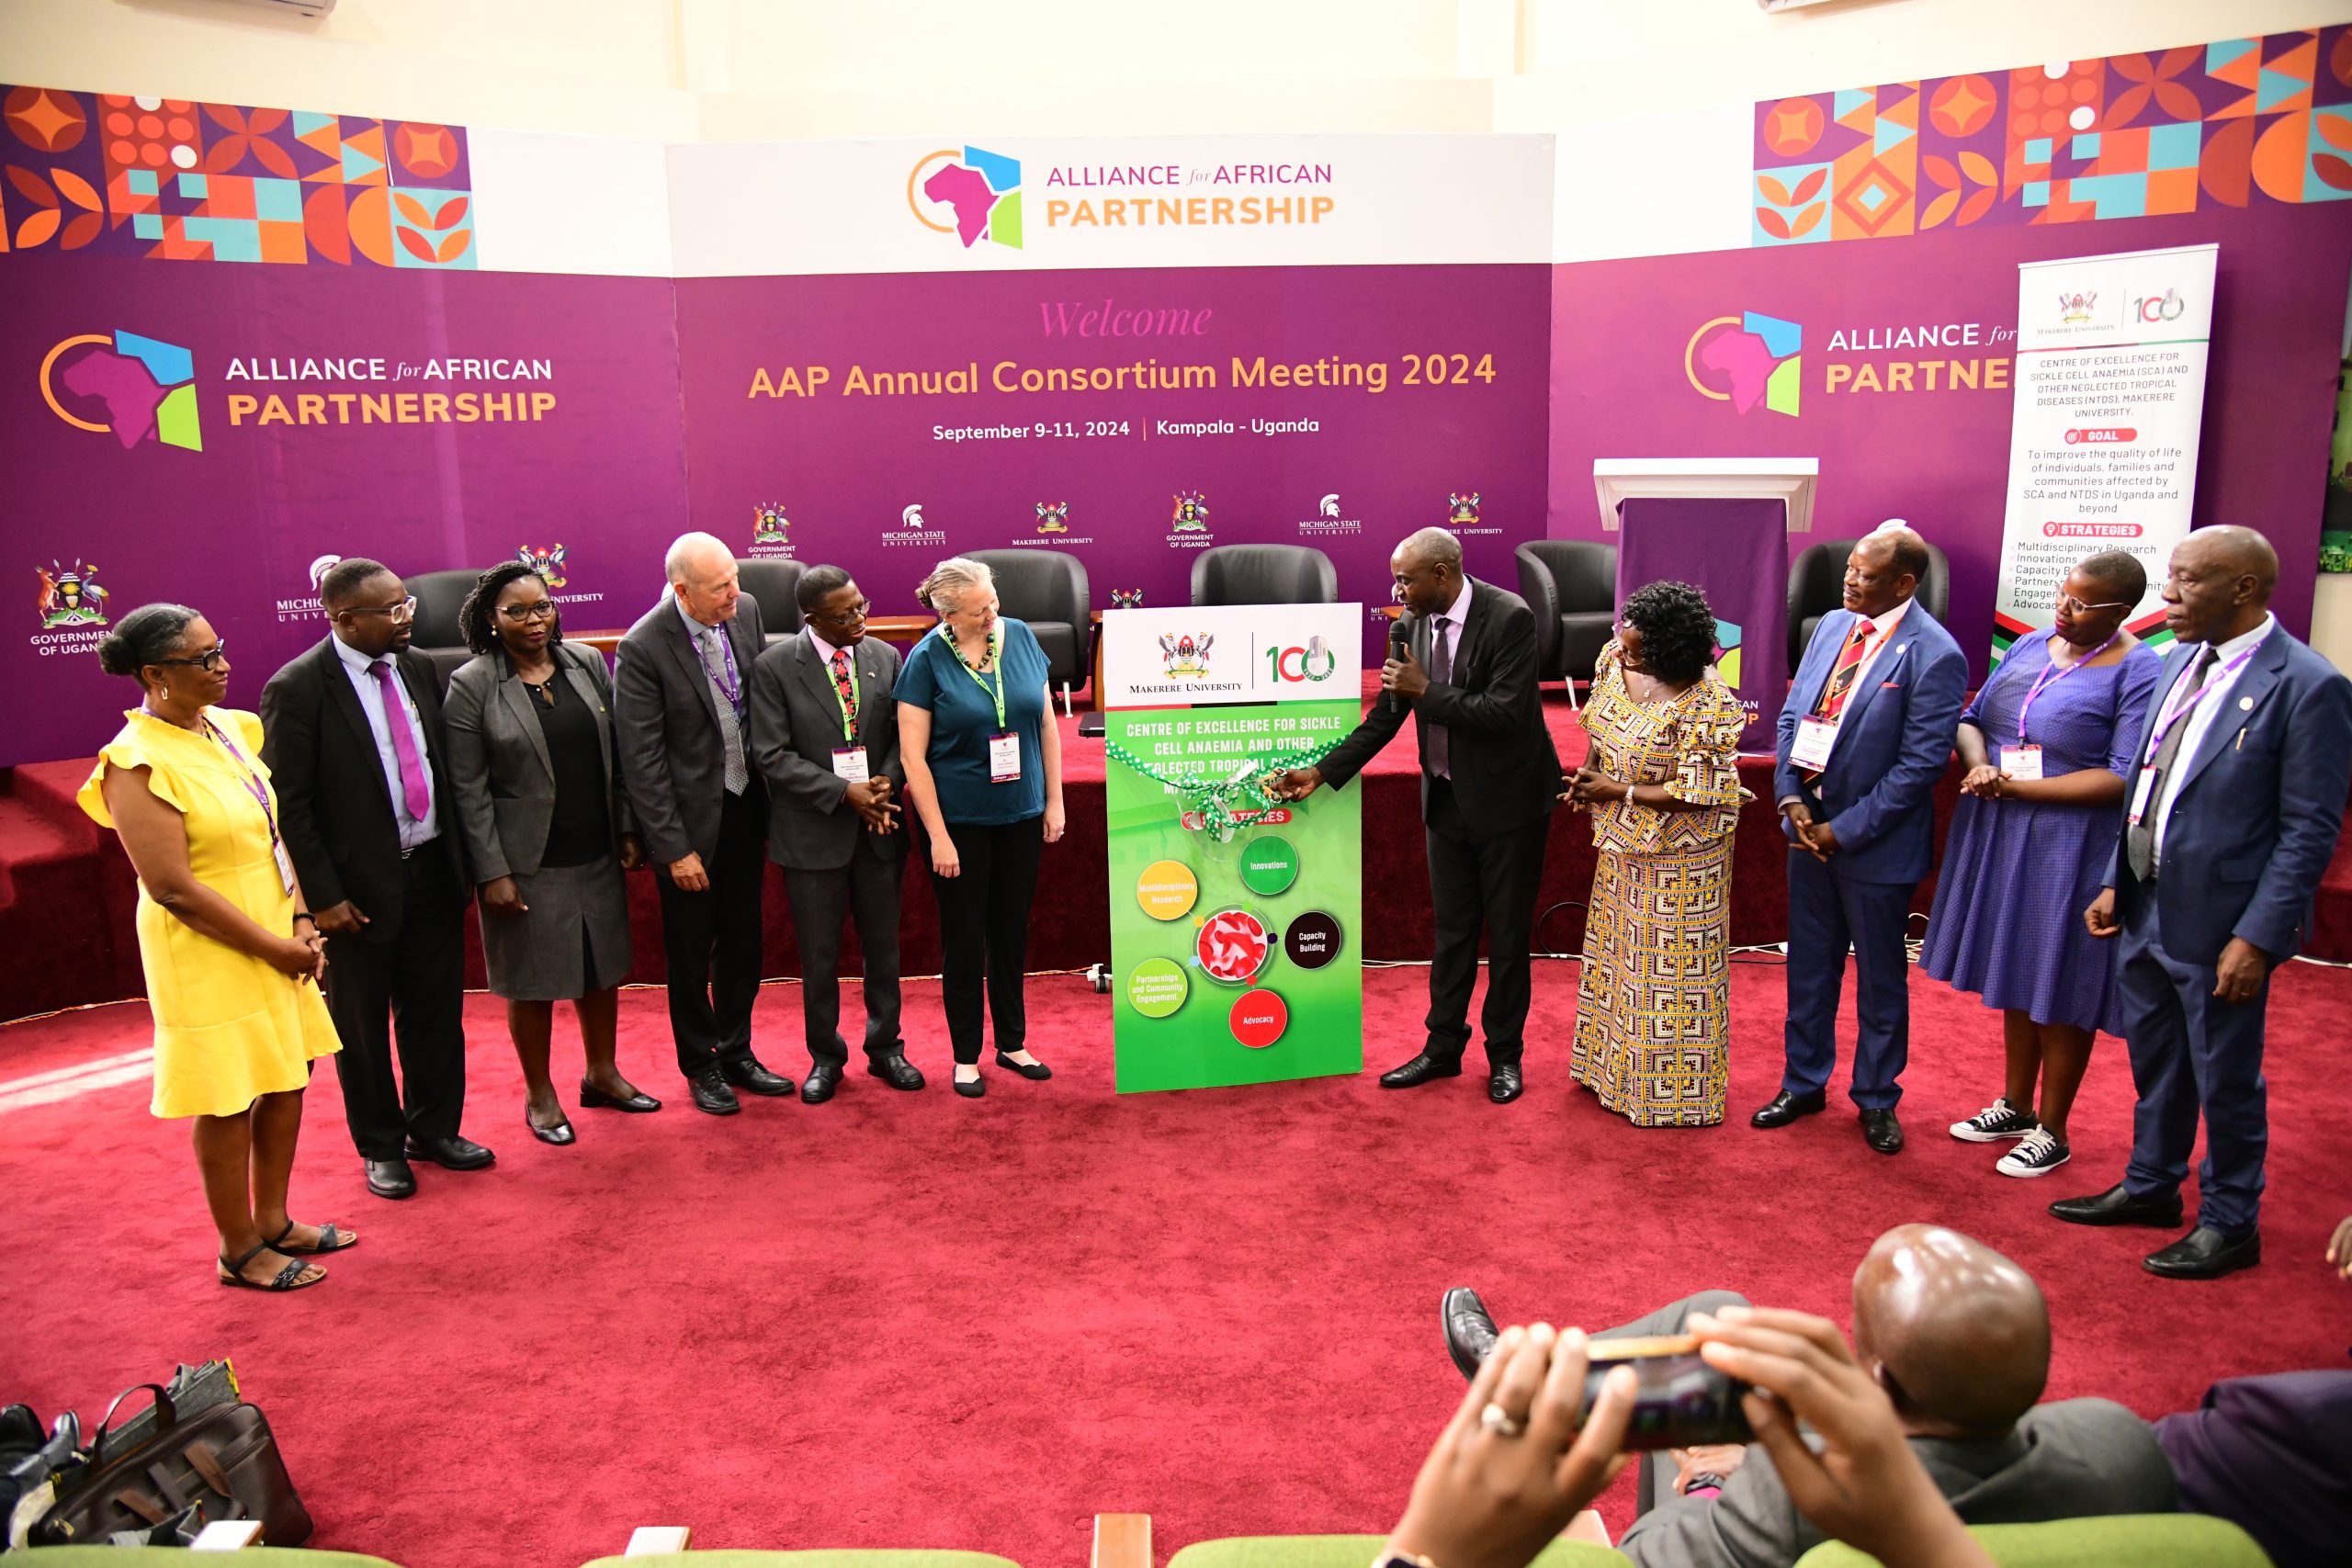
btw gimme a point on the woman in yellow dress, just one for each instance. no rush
(233, 961)
(1662, 783)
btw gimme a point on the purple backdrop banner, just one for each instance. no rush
(1133, 418)
(1850, 353)
(210, 433)
(1736, 552)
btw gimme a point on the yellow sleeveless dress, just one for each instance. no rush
(229, 1028)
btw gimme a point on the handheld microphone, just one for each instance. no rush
(1398, 650)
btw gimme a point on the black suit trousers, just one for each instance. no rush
(865, 890)
(413, 987)
(1481, 884)
(711, 942)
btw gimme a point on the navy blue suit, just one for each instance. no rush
(1895, 740)
(2252, 828)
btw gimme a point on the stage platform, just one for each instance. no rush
(67, 894)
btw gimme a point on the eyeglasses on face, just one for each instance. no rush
(209, 659)
(2068, 602)
(855, 613)
(543, 610)
(403, 610)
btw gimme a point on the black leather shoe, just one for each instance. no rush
(1503, 1086)
(819, 1086)
(1785, 1108)
(972, 1090)
(451, 1154)
(560, 1134)
(1419, 1070)
(2117, 1207)
(2205, 1254)
(1032, 1070)
(1883, 1131)
(711, 1094)
(753, 1078)
(896, 1071)
(595, 1099)
(390, 1178)
(1469, 1331)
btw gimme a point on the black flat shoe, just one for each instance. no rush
(711, 1094)
(1503, 1086)
(390, 1178)
(2159, 1211)
(819, 1086)
(595, 1099)
(1419, 1070)
(289, 1278)
(560, 1134)
(451, 1154)
(750, 1076)
(1030, 1070)
(1883, 1131)
(330, 1240)
(2204, 1253)
(1469, 1330)
(972, 1090)
(896, 1071)
(1785, 1108)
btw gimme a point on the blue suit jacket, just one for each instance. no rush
(2255, 823)
(1893, 743)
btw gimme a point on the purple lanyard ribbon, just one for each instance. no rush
(2052, 674)
(2217, 680)
(731, 683)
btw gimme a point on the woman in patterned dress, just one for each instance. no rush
(1662, 783)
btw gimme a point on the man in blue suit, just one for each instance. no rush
(1866, 732)
(2230, 817)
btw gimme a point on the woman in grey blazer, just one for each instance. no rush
(547, 830)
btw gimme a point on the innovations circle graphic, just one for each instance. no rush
(1233, 946)
(1268, 865)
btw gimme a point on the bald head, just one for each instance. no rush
(1958, 1335)
(702, 574)
(2219, 584)
(1426, 569)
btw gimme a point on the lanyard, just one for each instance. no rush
(2180, 710)
(995, 693)
(845, 701)
(2052, 674)
(247, 773)
(729, 683)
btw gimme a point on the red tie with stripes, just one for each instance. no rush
(1841, 678)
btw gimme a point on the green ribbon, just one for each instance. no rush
(1220, 801)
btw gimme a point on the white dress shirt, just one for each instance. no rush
(371, 702)
(1882, 634)
(2204, 716)
(1449, 637)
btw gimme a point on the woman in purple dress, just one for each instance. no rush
(2047, 748)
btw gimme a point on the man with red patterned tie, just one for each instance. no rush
(351, 732)
(1866, 732)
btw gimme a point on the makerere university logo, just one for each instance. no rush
(134, 389)
(546, 562)
(973, 193)
(1749, 358)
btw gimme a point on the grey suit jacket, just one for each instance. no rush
(2078, 1458)
(499, 769)
(795, 724)
(665, 718)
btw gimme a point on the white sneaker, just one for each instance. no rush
(1996, 1122)
(2038, 1154)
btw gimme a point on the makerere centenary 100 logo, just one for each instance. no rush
(1754, 358)
(974, 194)
(134, 389)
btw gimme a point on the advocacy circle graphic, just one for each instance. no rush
(1233, 945)
(1156, 987)
(1312, 939)
(1258, 1017)
(1167, 890)
(1268, 865)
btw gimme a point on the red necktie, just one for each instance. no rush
(848, 689)
(1841, 675)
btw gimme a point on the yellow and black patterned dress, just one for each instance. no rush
(1652, 1012)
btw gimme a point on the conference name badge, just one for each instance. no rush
(1004, 758)
(2142, 795)
(285, 866)
(849, 763)
(1815, 738)
(2021, 762)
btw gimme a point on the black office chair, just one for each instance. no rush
(775, 584)
(1047, 589)
(1264, 574)
(1571, 584)
(437, 634)
(1818, 585)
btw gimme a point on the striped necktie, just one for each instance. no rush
(1841, 681)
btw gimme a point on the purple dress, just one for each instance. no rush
(2017, 874)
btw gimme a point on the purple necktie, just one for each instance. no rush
(413, 788)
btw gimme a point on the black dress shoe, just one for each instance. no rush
(2205, 1254)
(711, 1094)
(818, 1087)
(972, 1090)
(1032, 1070)
(390, 1178)
(1503, 1086)
(753, 1078)
(595, 1099)
(1785, 1108)
(895, 1070)
(1419, 1070)
(560, 1134)
(1882, 1131)
(1469, 1331)
(2117, 1207)
(451, 1154)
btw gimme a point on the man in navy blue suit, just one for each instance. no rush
(2230, 817)
(1866, 732)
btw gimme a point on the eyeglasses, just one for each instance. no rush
(855, 613)
(209, 659)
(403, 610)
(2068, 602)
(543, 610)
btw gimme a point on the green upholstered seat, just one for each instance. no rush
(747, 1558)
(1354, 1552)
(2121, 1540)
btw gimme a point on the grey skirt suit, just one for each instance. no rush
(573, 938)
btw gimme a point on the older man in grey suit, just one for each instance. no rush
(825, 737)
(682, 706)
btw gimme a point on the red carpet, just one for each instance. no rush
(922, 1321)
